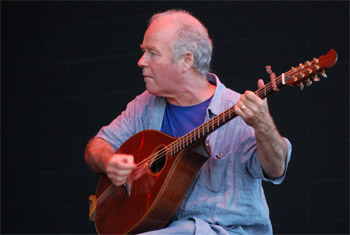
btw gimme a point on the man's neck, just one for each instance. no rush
(197, 90)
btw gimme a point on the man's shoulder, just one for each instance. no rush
(223, 92)
(228, 94)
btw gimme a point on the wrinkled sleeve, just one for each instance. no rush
(120, 129)
(258, 171)
(128, 123)
(250, 158)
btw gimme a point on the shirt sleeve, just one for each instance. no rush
(275, 180)
(120, 129)
(132, 120)
(248, 151)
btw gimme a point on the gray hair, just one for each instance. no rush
(190, 38)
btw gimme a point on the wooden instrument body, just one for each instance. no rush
(155, 196)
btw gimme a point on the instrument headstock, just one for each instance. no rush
(310, 69)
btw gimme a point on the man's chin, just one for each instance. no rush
(150, 90)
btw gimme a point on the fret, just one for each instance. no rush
(168, 151)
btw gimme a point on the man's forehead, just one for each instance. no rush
(153, 44)
(159, 34)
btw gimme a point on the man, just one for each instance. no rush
(180, 96)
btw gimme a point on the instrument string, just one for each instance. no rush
(106, 193)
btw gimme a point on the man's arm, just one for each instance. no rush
(271, 147)
(101, 158)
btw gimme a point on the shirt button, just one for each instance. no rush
(219, 156)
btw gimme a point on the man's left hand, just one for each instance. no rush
(253, 110)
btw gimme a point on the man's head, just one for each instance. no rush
(191, 36)
(174, 45)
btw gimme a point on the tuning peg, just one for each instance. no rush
(323, 74)
(301, 85)
(308, 82)
(316, 78)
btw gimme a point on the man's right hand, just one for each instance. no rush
(119, 167)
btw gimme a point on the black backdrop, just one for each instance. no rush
(68, 68)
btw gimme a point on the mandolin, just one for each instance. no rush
(167, 166)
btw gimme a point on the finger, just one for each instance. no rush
(244, 102)
(119, 172)
(251, 97)
(118, 177)
(126, 158)
(128, 161)
(118, 180)
(120, 167)
(239, 107)
(261, 83)
(122, 161)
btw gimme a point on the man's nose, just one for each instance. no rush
(142, 62)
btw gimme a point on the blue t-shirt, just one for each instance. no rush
(180, 120)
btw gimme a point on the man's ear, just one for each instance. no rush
(188, 60)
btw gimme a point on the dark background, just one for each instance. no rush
(68, 68)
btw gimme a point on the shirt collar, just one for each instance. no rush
(218, 103)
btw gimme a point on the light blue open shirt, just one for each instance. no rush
(227, 196)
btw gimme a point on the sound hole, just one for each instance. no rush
(159, 160)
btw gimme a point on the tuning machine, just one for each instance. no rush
(308, 82)
(316, 78)
(301, 86)
(323, 74)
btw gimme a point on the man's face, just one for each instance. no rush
(160, 73)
